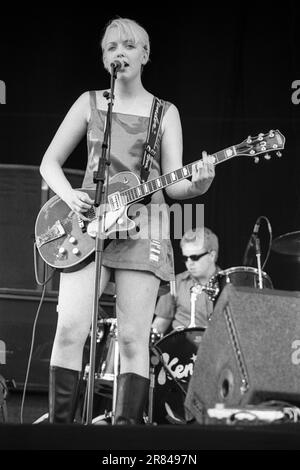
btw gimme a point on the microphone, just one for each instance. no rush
(253, 241)
(254, 235)
(116, 65)
(256, 227)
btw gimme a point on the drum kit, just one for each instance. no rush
(172, 356)
(172, 360)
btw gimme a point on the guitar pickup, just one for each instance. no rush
(115, 201)
(53, 233)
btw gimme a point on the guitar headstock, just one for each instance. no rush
(272, 141)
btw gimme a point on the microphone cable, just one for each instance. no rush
(270, 239)
(31, 351)
(251, 242)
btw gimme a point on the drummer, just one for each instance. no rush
(199, 249)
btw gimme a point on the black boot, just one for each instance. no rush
(132, 394)
(63, 394)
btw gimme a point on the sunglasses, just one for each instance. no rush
(194, 257)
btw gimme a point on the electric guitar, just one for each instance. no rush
(63, 239)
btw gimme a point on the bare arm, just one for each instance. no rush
(172, 147)
(67, 137)
(164, 312)
(161, 324)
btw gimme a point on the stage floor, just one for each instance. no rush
(147, 437)
(155, 438)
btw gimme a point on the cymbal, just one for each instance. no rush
(163, 289)
(110, 289)
(287, 244)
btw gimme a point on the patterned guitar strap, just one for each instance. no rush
(150, 150)
(152, 137)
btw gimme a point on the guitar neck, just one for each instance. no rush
(154, 185)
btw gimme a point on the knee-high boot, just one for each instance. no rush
(63, 394)
(132, 394)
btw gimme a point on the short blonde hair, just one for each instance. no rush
(202, 235)
(131, 30)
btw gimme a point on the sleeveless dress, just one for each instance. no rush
(152, 249)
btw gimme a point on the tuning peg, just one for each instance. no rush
(267, 156)
(256, 159)
(279, 154)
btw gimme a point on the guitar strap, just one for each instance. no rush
(152, 137)
(150, 149)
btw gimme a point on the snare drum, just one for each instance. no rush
(177, 351)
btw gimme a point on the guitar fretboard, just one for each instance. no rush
(151, 186)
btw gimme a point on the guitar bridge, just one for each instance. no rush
(53, 233)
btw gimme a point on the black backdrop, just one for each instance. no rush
(228, 69)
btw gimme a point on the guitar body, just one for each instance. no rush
(63, 240)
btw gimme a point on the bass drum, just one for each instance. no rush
(174, 356)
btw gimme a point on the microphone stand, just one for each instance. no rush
(100, 176)
(258, 258)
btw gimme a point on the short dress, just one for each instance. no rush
(151, 252)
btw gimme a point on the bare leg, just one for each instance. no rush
(136, 298)
(75, 306)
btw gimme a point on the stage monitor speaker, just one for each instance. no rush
(22, 193)
(17, 315)
(250, 352)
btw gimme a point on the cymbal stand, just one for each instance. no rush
(258, 258)
(116, 372)
(153, 362)
(195, 291)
